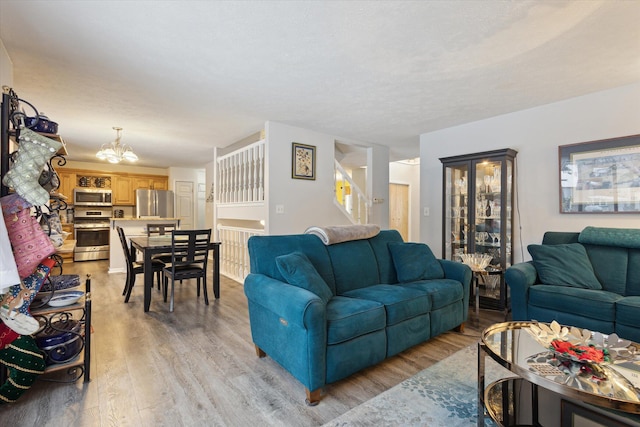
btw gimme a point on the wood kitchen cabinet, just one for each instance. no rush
(67, 184)
(151, 182)
(123, 185)
(123, 193)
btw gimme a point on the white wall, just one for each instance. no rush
(6, 67)
(306, 202)
(400, 173)
(536, 134)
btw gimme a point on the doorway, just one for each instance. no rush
(185, 204)
(399, 209)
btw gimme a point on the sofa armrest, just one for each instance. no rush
(291, 303)
(462, 273)
(289, 324)
(520, 277)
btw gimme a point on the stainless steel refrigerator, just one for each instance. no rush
(154, 203)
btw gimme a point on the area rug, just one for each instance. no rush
(444, 394)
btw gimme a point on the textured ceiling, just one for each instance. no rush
(183, 76)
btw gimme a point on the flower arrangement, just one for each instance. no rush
(580, 353)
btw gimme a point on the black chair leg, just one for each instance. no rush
(165, 285)
(204, 289)
(130, 288)
(172, 292)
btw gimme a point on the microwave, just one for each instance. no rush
(91, 197)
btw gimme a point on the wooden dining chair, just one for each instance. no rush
(134, 267)
(160, 230)
(189, 259)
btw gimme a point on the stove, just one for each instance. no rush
(91, 232)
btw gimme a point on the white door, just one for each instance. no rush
(185, 204)
(399, 209)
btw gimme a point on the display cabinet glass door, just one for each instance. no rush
(456, 211)
(478, 216)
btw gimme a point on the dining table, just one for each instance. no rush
(150, 246)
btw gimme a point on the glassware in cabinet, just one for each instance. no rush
(478, 215)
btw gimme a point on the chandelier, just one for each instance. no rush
(115, 152)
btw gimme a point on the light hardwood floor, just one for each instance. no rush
(197, 366)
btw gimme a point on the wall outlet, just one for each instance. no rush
(279, 209)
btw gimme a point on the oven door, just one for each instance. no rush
(91, 243)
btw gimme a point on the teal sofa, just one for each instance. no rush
(326, 312)
(557, 285)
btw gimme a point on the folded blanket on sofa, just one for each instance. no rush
(343, 233)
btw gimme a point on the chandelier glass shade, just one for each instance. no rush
(115, 152)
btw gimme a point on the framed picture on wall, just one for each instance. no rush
(303, 161)
(600, 176)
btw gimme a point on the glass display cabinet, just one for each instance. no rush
(478, 218)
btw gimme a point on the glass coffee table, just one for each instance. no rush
(524, 349)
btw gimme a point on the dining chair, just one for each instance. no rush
(134, 267)
(160, 230)
(189, 259)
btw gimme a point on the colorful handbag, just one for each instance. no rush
(29, 242)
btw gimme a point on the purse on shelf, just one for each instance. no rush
(51, 225)
(29, 243)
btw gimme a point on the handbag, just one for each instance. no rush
(29, 242)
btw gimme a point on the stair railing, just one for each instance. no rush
(234, 255)
(241, 175)
(356, 204)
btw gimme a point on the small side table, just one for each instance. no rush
(482, 274)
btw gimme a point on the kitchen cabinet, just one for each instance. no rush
(67, 184)
(123, 193)
(123, 185)
(161, 183)
(478, 216)
(150, 182)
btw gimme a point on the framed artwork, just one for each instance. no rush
(600, 176)
(572, 415)
(303, 161)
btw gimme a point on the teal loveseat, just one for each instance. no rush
(558, 283)
(326, 312)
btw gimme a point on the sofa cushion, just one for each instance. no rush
(414, 261)
(354, 265)
(628, 318)
(297, 270)
(610, 265)
(400, 303)
(565, 265)
(442, 292)
(380, 246)
(628, 311)
(348, 318)
(618, 237)
(591, 303)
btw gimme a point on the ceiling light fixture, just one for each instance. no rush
(115, 152)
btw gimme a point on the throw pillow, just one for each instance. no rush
(565, 265)
(414, 261)
(297, 270)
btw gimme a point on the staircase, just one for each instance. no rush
(350, 199)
